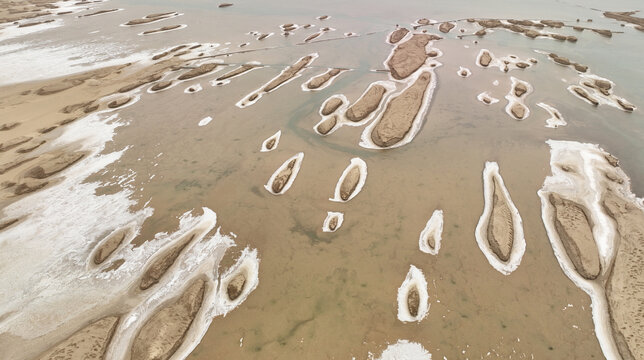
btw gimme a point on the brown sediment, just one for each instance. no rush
(109, 245)
(6, 223)
(485, 59)
(552, 23)
(35, 23)
(625, 105)
(161, 264)
(602, 32)
(262, 36)
(149, 18)
(236, 286)
(289, 73)
(480, 32)
(331, 105)
(571, 38)
(54, 165)
(99, 12)
(413, 301)
(13, 164)
(312, 36)
(162, 29)
(282, 178)
(490, 23)
(140, 82)
(407, 57)
(8, 126)
(500, 229)
(626, 16)
(28, 186)
(323, 17)
(270, 144)
(558, 37)
(367, 103)
(161, 85)
(397, 35)
(323, 78)
(350, 183)
(333, 223)
(198, 71)
(623, 290)
(446, 27)
(163, 333)
(12, 143)
(584, 94)
(118, 102)
(520, 89)
(71, 108)
(400, 112)
(89, 342)
(237, 71)
(423, 21)
(224, 5)
(518, 110)
(575, 231)
(327, 125)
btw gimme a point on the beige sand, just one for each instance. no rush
(400, 113)
(289, 73)
(319, 80)
(161, 264)
(87, 343)
(327, 125)
(500, 230)
(236, 286)
(367, 103)
(162, 29)
(446, 27)
(108, 245)
(350, 183)
(237, 71)
(413, 301)
(409, 56)
(198, 71)
(163, 333)
(331, 105)
(397, 35)
(575, 231)
(282, 178)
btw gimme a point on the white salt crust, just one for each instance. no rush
(161, 18)
(275, 137)
(205, 121)
(404, 350)
(195, 88)
(433, 228)
(260, 92)
(518, 245)
(556, 119)
(586, 186)
(415, 278)
(330, 215)
(296, 169)
(362, 166)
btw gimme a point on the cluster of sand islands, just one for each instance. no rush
(171, 290)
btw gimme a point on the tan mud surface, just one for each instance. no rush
(500, 230)
(367, 103)
(88, 343)
(407, 57)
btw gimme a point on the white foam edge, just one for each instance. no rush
(276, 137)
(339, 112)
(267, 36)
(434, 228)
(205, 121)
(513, 99)
(296, 169)
(296, 26)
(585, 189)
(415, 278)
(181, 26)
(170, 16)
(518, 244)
(196, 88)
(244, 102)
(556, 119)
(404, 350)
(329, 216)
(461, 69)
(498, 62)
(362, 167)
(417, 123)
(486, 94)
(304, 85)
